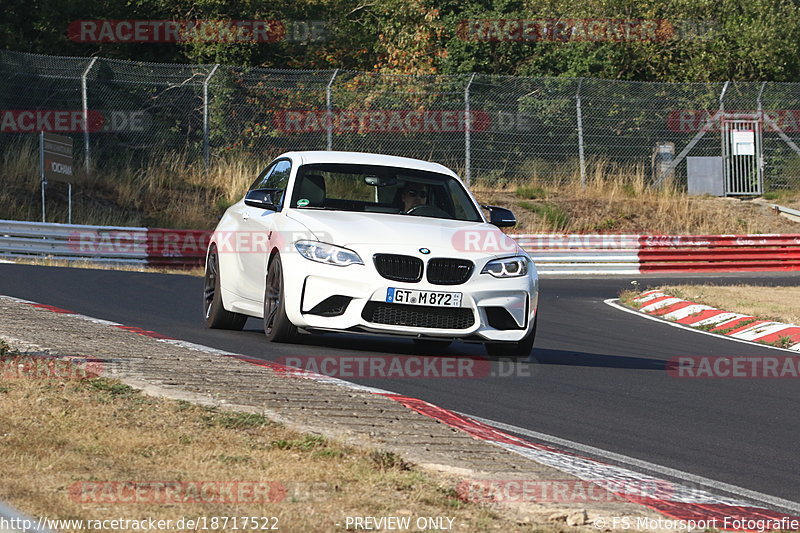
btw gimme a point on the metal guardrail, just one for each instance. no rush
(102, 244)
(786, 212)
(582, 254)
(553, 253)
(634, 254)
(720, 253)
(73, 242)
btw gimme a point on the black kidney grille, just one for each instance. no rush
(399, 267)
(449, 271)
(418, 316)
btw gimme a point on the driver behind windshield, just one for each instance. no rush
(413, 194)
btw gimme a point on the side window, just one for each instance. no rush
(275, 176)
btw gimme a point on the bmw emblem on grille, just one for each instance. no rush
(424, 251)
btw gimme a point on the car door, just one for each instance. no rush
(258, 232)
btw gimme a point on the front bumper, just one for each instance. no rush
(353, 298)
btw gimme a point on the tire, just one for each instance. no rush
(432, 345)
(520, 349)
(214, 314)
(277, 326)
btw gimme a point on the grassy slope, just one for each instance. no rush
(173, 193)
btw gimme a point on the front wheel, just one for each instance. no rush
(277, 326)
(215, 315)
(520, 349)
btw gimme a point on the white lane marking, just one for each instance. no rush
(613, 303)
(646, 465)
(623, 480)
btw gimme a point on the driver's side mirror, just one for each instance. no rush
(262, 198)
(500, 216)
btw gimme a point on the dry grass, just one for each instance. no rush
(169, 191)
(620, 200)
(56, 433)
(626, 298)
(172, 192)
(781, 304)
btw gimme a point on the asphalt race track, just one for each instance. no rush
(597, 375)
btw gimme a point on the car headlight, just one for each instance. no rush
(327, 253)
(508, 267)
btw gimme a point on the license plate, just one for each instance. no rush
(432, 298)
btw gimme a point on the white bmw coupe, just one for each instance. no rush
(357, 242)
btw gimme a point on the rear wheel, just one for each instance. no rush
(277, 326)
(214, 313)
(520, 349)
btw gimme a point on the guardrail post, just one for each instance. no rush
(85, 105)
(329, 111)
(206, 143)
(579, 114)
(467, 131)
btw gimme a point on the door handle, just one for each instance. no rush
(246, 216)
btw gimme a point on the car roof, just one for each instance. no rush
(364, 158)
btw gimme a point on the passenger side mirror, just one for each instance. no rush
(262, 198)
(500, 216)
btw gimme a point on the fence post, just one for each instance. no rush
(581, 156)
(85, 106)
(467, 131)
(206, 143)
(329, 111)
(722, 96)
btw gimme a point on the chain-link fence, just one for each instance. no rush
(492, 129)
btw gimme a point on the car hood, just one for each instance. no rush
(346, 228)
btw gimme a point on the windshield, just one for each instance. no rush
(379, 189)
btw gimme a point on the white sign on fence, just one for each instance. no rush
(743, 142)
